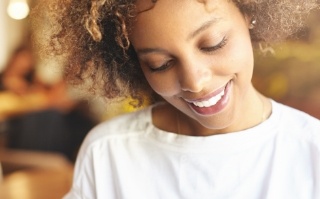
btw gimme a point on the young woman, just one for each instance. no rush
(214, 136)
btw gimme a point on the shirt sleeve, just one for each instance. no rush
(73, 194)
(83, 186)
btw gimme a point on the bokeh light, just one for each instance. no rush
(18, 9)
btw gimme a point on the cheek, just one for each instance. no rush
(235, 59)
(242, 57)
(163, 83)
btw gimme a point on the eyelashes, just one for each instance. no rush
(163, 67)
(168, 64)
(220, 45)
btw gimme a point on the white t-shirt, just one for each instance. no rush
(129, 158)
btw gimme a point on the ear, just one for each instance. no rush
(247, 19)
(250, 21)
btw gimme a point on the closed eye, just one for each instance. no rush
(163, 67)
(220, 45)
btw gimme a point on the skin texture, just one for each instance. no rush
(91, 38)
(180, 65)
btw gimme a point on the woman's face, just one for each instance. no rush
(198, 57)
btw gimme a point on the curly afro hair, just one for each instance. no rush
(92, 38)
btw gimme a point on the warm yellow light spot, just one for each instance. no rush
(18, 9)
(278, 85)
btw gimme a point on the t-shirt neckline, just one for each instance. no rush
(228, 141)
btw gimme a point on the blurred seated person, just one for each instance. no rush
(40, 116)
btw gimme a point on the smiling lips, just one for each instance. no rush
(213, 104)
(210, 102)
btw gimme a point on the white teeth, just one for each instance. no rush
(210, 102)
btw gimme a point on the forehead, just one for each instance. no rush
(145, 5)
(179, 16)
(173, 10)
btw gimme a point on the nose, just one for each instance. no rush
(193, 77)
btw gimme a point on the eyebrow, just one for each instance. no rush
(150, 50)
(202, 28)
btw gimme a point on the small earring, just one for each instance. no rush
(253, 23)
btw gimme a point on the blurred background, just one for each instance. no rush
(43, 121)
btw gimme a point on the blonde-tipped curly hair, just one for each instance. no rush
(92, 36)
